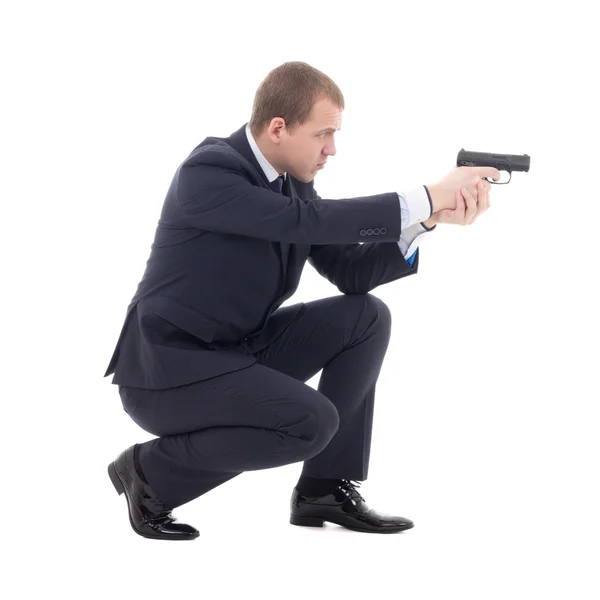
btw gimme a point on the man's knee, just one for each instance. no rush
(382, 310)
(319, 423)
(375, 313)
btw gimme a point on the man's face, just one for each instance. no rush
(301, 150)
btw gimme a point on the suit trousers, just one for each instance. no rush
(265, 415)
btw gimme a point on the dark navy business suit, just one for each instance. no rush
(209, 362)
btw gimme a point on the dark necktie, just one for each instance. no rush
(277, 185)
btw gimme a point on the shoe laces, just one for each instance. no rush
(348, 486)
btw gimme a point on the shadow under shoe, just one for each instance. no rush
(346, 507)
(149, 517)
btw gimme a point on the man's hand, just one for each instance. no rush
(467, 208)
(443, 193)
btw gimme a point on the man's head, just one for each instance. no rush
(296, 111)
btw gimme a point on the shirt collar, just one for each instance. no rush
(268, 169)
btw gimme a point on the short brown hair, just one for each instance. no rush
(290, 91)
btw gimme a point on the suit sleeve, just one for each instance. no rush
(215, 194)
(360, 268)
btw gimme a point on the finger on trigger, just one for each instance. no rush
(489, 172)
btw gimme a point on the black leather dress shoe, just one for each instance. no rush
(148, 516)
(343, 506)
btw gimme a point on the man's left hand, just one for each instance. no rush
(468, 208)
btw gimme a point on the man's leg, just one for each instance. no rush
(212, 430)
(347, 336)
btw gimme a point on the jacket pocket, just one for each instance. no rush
(185, 317)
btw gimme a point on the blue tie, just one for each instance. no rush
(277, 185)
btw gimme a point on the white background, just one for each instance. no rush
(486, 419)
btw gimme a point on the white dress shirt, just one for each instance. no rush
(414, 206)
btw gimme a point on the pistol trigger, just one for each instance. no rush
(500, 183)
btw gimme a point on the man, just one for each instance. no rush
(209, 362)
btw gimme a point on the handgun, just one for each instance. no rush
(502, 162)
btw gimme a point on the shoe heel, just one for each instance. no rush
(112, 473)
(306, 521)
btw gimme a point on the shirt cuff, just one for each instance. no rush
(415, 206)
(411, 237)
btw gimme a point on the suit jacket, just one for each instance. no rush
(228, 251)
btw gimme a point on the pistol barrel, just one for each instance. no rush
(502, 162)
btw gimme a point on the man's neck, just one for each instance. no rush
(266, 150)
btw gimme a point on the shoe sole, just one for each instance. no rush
(319, 522)
(118, 484)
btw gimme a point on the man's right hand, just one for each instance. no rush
(443, 193)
